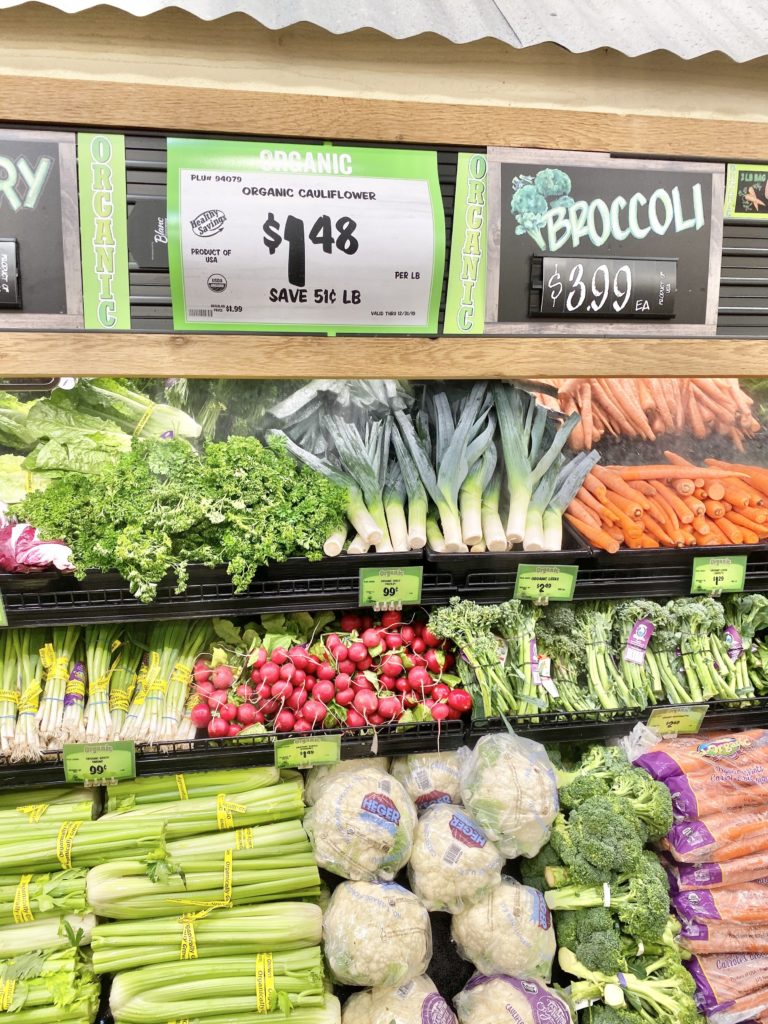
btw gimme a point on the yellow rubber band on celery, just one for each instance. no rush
(244, 839)
(144, 420)
(188, 950)
(209, 905)
(7, 988)
(22, 911)
(181, 785)
(35, 811)
(64, 841)
(225, 811)
(265, 982)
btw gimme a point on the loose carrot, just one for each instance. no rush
(631, 527)
(590, 500)
(756, 515)
(615, 532)
(734, 534)
(599, 538)
(616, 483)
(672, 522)
(597, 488)
(623, 396)
(631, 508)
(583, 512)
(585, 399)
(747, 527)
(669, 472)
(658, 533)
(649, 542)
(736, 496)
(644, 487)
(619, 420)
(684, 486)
(701, 526)
(715, 509)
(695, 419)
(715, 489)
(682, 511)
(696, 505)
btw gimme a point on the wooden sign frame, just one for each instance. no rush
(132, 105)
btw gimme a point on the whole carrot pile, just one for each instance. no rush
(648, 407)
(675, 504)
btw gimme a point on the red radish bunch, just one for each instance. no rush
(365, 674)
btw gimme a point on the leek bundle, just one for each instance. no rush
(230, 931)
(47, 935)
(155, 995)
(279, 802)
(79, 844)
(62, 892)
(272, 862)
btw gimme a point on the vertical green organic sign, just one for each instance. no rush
(465, 302)
(103, 231)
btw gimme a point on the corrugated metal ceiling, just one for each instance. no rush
(688, 28)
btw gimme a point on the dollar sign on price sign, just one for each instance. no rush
(320, 234)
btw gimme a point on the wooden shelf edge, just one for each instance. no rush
(48, 100)
(129, 354)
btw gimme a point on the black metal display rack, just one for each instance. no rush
(50, 598)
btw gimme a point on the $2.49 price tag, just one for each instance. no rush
(685, 719)
(391, 587)
(99, 764)
(307, 752)
(714, 573)
(546, 582)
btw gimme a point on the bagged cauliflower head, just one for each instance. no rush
(508, 931)
(429, 778)
(318, 778)
(362, 825)
(415, 1002)
(508, 786)
(376, 934)
(453, 862)
(501, 998)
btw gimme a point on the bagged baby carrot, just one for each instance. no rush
(737, 904)
(721, 937)
(727, 836)
(695, 755)
(708, 775)
(744, 1008)
(722, 978)
(714, 874)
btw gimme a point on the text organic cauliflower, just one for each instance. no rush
(376, 934)
(509, 931)
(318, 778)
(362, 825)
(415, 1002)
(508, 786)
(498, 999)
(453, 862)
(429, 778)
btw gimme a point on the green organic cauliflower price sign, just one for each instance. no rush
(99, 764)
(545, 583)
(713, 574)
(307, 752)
(390, 587)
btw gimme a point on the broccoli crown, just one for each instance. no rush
(566, 929)
(532, 868)
(581, 787)
(552, 182)
(602, 951)
(580, 870)
(599, 1013)
(644, 908)
(651, 801)
(607, 834)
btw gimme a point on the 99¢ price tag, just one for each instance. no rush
(3, 615)
(545, 582)
(719, 574)
(99, 764)
(390, 587)
(307, 752)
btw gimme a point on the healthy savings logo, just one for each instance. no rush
(544, 208)
(380, 810)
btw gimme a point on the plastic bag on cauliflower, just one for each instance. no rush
(453, 862)
(415, 1002)
(508, 931)
(376, 934)
(429, 778)
(362, 825)
(501, 998)
(508, 785)
(318, 778)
